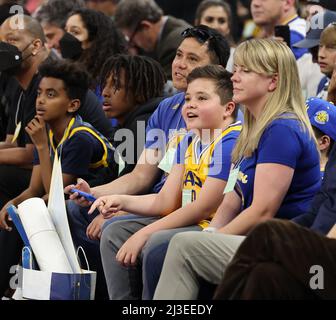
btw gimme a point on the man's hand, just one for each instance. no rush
(37, 131)
(94, 230)
(83, 186)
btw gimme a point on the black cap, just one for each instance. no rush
(318, 23)
(327, 4)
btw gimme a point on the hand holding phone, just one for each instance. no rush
(283, 32)
(87, 196)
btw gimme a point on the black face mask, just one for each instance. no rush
(71, 47)
(10, 58)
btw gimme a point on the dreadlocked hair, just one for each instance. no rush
(106, 40)
(143, 76)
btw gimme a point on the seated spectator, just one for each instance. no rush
(52, 16)
(191, 193)
(216, 14)
(322, 116)
(133, 86)
(269, 13)
(289, 262)
(83, 151)
(91, 37)
(132, 90)
(327, 58)
(146, 28)
(313, 81)
(270, 181)
(16, 154)
(201, 46)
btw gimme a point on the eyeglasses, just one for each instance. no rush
(135, 30)
(199, 34)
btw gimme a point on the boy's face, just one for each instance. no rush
(203, 108)
(117, 104)
(52, 102)
(327, 51)
(189, 55)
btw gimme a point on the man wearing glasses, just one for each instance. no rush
(148, 29)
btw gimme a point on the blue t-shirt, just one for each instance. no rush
(164, 125)
(284, 142)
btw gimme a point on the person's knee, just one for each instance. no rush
(157, 239)
(112, 237)
(185, 242)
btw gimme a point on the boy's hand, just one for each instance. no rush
(108, 206)
(94, 230)
(37, 131)
(129, 252)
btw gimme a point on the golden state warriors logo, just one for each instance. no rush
(321, 117)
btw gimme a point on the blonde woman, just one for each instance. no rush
(276, 159)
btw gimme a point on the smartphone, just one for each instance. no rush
(87, 196)
(283, 32)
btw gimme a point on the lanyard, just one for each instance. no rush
(18, 108)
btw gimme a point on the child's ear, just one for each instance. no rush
(324, 143)
(229, 109)
(73, 105)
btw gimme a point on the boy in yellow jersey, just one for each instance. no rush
(189, 197)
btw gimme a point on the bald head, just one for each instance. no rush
(24, 24)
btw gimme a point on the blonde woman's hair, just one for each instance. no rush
(270, 57)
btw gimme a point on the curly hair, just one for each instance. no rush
(76, 80)
(106, 40)
(143, 76)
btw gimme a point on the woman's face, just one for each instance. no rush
(76, 27)
(216, 17)
(250, 88)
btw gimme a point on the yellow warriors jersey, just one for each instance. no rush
(212, 160)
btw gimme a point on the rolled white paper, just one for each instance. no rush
(43, 238)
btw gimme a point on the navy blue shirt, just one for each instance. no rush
(285, 142)
(77, 154)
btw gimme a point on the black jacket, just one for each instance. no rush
(130, 138)
(322, 214)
